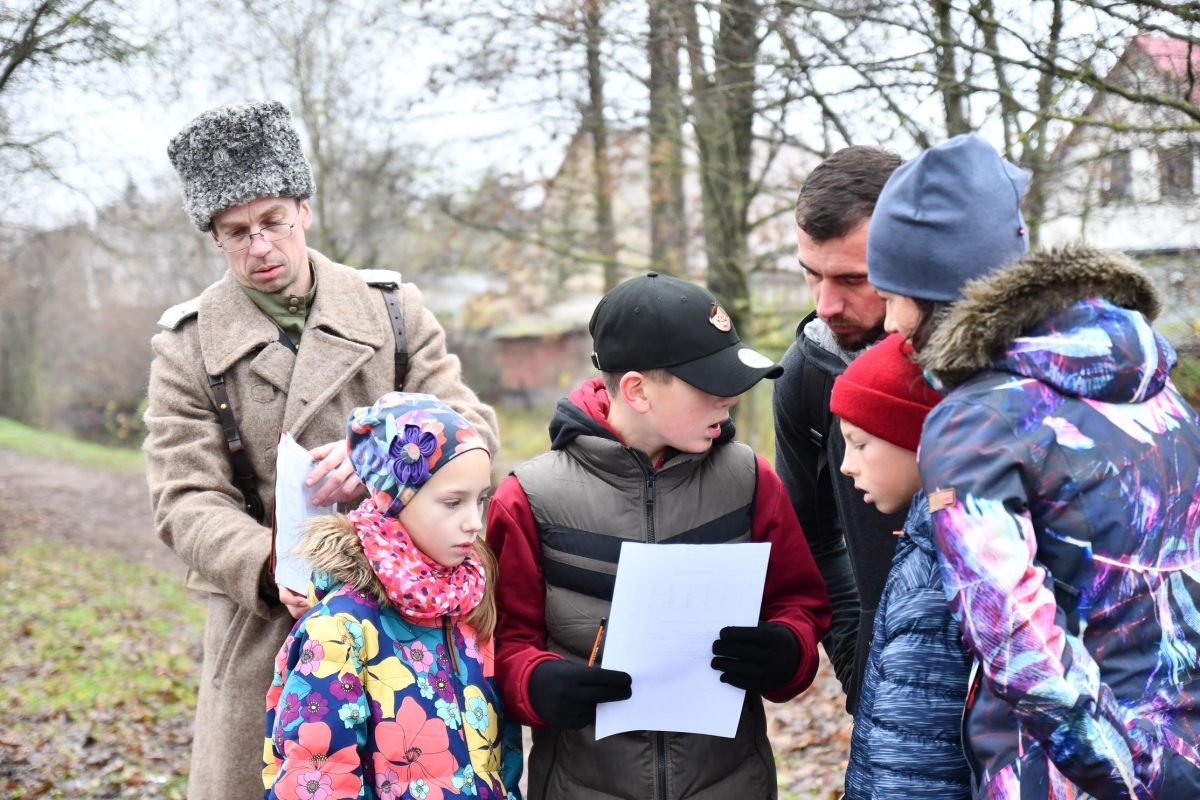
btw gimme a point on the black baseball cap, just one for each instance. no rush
(660, 322)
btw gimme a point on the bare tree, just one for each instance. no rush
(668, 222)
(44, 43)
(594, 125)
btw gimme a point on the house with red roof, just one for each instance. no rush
(1131, 182)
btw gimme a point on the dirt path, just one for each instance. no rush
(42, 498)
(79, 506)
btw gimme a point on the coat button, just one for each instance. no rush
(292, 309)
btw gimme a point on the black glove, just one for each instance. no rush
(564, 694)
(759, 659)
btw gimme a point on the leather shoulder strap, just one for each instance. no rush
(243, 474)
(397, 319)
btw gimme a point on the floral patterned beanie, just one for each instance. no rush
(395, 446)
(400, 441)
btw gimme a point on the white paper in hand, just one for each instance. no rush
(293, 505)
(669, 605)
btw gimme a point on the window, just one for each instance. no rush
(1175, 172)
(1116, 179)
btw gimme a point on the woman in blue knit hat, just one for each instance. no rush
(1061, 470)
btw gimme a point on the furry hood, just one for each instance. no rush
(332, 546)
(1009, 303)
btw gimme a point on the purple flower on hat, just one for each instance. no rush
(411, 451)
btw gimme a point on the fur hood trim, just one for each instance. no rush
(331, 545)
(1004, 304)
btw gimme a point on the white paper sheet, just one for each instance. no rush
(669, 605)
(293, 505)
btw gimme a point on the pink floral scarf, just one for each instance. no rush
(418, 586)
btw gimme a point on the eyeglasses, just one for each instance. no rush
(271, 233)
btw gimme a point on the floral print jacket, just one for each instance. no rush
(366, 703)
(1063, 484)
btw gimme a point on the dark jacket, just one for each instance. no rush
(1067, 465)
(907, 742)
(850, 540)
(558, 524)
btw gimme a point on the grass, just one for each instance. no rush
(1186, 376)
(98, 676)
(94, 631)
(15, 436)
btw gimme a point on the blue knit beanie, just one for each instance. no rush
(951, 214)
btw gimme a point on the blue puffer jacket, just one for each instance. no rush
(907, 742)
(1062, 472)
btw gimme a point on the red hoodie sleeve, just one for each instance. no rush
(794, 594)
(520, 599)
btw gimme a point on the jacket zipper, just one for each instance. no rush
(660, 738)
(650, 507)
(456, 686)
(450, 643)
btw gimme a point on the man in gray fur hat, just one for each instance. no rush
(289, 341)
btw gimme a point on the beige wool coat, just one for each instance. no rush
(345, 359)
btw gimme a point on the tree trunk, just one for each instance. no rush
(597, 129)
(1036, 155)
(723, 115)
(953, 92)
(668, 225)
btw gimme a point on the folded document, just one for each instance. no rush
(293, 507)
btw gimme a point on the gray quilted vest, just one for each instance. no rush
(587, 499)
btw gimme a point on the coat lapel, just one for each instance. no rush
(275, 365)
(231, 326)
(341, 336)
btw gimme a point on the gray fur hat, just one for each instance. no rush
(234, 154)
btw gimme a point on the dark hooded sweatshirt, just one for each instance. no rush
(727, 494)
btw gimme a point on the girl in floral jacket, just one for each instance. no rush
(385, 688)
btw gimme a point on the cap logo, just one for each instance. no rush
(719, 319)
(221, 157)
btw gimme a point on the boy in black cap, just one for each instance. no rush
(646, 454)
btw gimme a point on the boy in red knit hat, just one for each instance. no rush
(906, 740)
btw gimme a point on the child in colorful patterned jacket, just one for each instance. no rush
(385, 688)
(907, 742)
(1061, 469)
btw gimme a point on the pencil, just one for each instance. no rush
(596, 646)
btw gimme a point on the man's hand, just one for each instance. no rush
(565, 694)
(759, 659)
(296, 603)
(342, 484)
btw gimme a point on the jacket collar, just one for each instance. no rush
(344, 305)
(580, 427)
(918, 526)
(1005, 304)
(231, 325)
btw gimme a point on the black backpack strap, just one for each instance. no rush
(817, 417)
(243, 474)
(397, 318)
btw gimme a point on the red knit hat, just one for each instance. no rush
(884, 392)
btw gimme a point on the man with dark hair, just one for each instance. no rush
(850, 540)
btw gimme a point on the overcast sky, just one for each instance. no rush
(117, 125)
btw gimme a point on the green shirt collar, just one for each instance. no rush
(287, 311)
